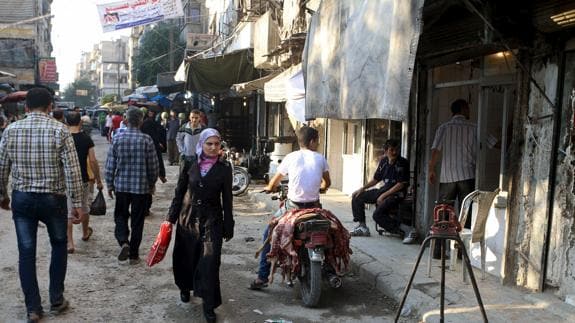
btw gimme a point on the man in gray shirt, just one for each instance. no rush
(188, 135)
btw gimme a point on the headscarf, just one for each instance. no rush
(205, 163)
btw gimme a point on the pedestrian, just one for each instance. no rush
(153, 128)
(172, 128)
(456, 143)
(131, 173)
(116, 123)
(187, 140)
(86, 155)
(58, 114)
(108, 125)
(201, 228)
(39, 152)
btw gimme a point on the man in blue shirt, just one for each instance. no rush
(131, 173)
(393, 171)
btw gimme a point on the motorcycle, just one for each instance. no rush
(241, 177)
(312, 240)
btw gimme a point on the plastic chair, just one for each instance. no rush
(475, 197)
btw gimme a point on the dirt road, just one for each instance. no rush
(102, 290)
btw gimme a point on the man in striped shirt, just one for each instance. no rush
(456, 143)
(40, 154)
(131, 173)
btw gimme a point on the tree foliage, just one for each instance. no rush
(108, 98)
(153, 54)
(81, 92)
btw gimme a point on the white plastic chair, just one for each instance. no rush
(474, 197)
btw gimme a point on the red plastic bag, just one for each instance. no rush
(160, 246)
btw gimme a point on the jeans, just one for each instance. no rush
(27, 210)
(128, 206)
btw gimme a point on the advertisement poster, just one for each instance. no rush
(47, 70)
(127, 14)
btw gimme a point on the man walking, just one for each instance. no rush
(85, 150)
(188, 135)
(39, 152)
(172, 128)
(131, 173)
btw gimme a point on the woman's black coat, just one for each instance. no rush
(202, 208)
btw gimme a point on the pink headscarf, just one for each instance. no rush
(204, 162)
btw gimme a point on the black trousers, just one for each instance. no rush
(457, 191)
(382, 214)
(130, 206)
(358, 203)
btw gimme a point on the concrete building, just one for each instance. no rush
(25, 39)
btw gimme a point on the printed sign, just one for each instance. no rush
(130, 13)
(47, 70)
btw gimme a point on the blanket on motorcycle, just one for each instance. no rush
(285, 253)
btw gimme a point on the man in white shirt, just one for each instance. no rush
(456, 143)
(308, 174)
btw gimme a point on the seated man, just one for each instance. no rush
(308, 174)
(393, 171)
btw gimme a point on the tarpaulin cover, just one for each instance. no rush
(275, 89)
(358, 59)
(218, 74)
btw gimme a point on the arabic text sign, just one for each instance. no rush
(47, 70)
(130, 13)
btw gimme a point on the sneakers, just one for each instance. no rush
(410, 237)
(360, 231)
(124, 252)
(59, 308)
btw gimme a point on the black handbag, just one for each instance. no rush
(98, 206)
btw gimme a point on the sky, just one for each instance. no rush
(75, 29)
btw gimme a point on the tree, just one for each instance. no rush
(81, 92)
(108, 98)
(154, 52)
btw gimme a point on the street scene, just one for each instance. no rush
(287, 160)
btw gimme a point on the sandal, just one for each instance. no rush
(71, 250)
(258, 285)
(90, 231)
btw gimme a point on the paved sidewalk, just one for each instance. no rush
(386, 263)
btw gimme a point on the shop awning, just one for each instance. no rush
(362, 71)
(275, 89)
(218, 74)
(254, 85)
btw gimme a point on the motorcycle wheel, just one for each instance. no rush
(240, 181)
(310, 280)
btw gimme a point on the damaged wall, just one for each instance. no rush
(529, 200)
(561, 258)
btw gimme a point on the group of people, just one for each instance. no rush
(48, 162)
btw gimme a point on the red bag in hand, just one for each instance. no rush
(160, 246)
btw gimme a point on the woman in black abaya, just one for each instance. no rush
(202, 209)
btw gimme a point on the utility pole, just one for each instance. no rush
(171, 48)
(120, 59)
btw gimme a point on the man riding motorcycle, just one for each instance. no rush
(308, 174)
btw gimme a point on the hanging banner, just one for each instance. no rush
(130, 13)
(47, 70)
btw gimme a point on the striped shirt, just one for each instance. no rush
(40, 154)
(132, 163)
(457, 141)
